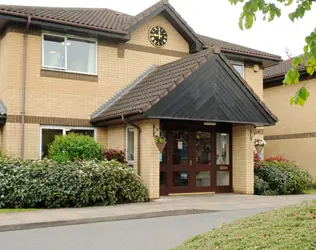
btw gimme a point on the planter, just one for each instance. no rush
(161, 146)
(259, 149)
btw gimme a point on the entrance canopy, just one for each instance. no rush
(200, 87)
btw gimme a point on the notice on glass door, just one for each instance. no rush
(180, 145)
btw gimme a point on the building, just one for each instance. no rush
(125, 79)
(294, 136)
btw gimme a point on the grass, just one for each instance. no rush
(310, 191)
(292, 227)
(16, 210)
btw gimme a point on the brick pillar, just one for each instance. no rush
(149, 158)
(243, 172)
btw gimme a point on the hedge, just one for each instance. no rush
(48, 184)
(275, 177)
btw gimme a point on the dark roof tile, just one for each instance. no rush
(280, 69)
(161, 83)
(238, 49)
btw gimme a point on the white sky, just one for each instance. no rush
(215, 18)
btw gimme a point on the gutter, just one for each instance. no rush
(24, 86)
(139, 130)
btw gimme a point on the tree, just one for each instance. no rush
(272, 10)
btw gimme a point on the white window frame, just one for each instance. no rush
(64, 129)
(239, 64)
(64, 69)
(131, 163)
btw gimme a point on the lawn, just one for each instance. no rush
(16, 210)
(310, 191)
(292, 227)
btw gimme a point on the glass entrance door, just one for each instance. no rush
(195, 161)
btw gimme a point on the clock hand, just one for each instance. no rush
(159, 35)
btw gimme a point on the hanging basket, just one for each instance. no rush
(259, 149)
(161, 146)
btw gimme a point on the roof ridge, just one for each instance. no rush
(58, 7)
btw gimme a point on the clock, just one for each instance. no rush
(158, 36)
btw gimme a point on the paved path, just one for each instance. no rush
(144, 234)
(163, 207)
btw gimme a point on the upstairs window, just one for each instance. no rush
(239, 66)
(69, 54)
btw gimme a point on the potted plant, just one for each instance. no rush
(259, 145)
(160, 142)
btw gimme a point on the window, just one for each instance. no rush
(239, 66)
(130, 145)
(69, 54)
(222, 149)
(48, 134)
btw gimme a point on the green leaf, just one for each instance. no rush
(313, 51)
(292, 76)
(249, 20)
(292, 100)
(297, 60)
(305, 49)
(310, 70)
(292, 16)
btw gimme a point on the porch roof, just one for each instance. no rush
(200, 87)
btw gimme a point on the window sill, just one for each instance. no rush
(69, 75)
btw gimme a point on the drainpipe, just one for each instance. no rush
(126, 121)
(24, 86)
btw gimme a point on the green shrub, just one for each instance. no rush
(48, 184)
(280, 178)
(75, 147)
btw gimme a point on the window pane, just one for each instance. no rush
(180, 147)
(180, 179)
(222, 178)
(81, 56)
(203, 147)
(163, 179)
(239, 68)
(54, 51)
(222, 149)
(81, 131)
(48, 136)
(203, 179)
(130, 144)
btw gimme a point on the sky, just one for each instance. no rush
(214, 18)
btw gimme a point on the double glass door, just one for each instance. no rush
(195, 161)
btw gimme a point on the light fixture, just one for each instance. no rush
(209, 123)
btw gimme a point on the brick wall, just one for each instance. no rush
(149, 158)
(254, 79)
(66, 95)
(243, 173)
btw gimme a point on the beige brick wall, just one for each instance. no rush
(149, 158)
(12, 140)
(175, 41)
(54, 97)
(254, 79)
(101, 136)
(292, 120)
(243, 172)
(116, 137)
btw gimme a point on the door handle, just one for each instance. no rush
(190, 162)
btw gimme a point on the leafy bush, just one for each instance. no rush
(280, 178)
(114, 154)
(48, 184)
(75, 147)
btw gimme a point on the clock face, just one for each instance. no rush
(158, 36)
